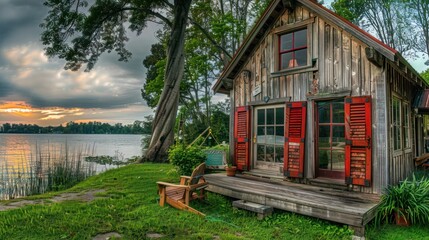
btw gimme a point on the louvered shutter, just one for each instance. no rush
(358, 140)
(241, 137)
(294, 147)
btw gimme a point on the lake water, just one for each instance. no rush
(19, 152)
(14, 146)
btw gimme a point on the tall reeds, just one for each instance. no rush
(46, 169)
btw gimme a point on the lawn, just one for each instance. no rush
(128, 206)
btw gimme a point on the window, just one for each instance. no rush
(407, 140)
(293, 49)
(396, 123)
(270, 134)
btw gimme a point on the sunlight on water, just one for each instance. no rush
(26, 159)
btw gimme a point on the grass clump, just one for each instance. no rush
(46, 169)
(409, 199)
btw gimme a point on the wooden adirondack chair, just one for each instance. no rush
(189, 188)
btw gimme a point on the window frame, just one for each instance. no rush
(293, 49)
(401, 138)
(266, 125)
(396, 124)
(277, 32)
(407, 125)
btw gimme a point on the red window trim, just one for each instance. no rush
(293, 50)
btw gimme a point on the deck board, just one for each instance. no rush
(352, 208)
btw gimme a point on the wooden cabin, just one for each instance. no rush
(317, 99)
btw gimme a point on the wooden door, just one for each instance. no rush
(269, 137)
(330, 139)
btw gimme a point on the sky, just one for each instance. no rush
(37, 90)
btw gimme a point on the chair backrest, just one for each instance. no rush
(197, 174)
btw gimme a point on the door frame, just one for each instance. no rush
(274, 167)
(320, 172)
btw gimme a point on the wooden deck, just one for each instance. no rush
(351, 208)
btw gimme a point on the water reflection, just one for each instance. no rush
(27, 161)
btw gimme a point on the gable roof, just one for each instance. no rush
(269, 17)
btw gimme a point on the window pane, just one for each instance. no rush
(280, 119)
(323, 110)
(280, 131)
(300, 38)
(261, 135)
(279, 154)
(396, 122)
(338, 137)
(270, 116)
(261, 116)
(324, 157)
(286, 42)
(338, 112)
(301, 57)
(407, 142)
(260, 152)
(285, 59)
(324, 136)
(270, 139)
(270, 154)
(338, 158)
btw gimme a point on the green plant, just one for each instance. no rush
(408, 199)
(185, 159)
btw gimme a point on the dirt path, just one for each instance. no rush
(87, 196)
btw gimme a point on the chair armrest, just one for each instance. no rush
(199, 186)
(184, 180)
(165, 184)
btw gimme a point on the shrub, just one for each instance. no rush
(185, 159)
(410, 198)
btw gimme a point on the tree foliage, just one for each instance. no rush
(419, 14)
(425, 75)
(138, 127)
(388, 20)
(79, 32)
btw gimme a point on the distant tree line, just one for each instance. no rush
(138, 127)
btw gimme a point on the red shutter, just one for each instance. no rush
(295, 139)
(242, 137)
(358, 140)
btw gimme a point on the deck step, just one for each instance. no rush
(261, 210)
(329, 183)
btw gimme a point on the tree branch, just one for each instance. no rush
(155, 14)
(210, 38)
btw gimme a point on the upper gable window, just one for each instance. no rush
(293, 49)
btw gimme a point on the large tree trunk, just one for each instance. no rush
(165, 117)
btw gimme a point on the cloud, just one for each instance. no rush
(43, 92)
(44, 83)
(22, 112)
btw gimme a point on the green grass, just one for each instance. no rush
(130, 207)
